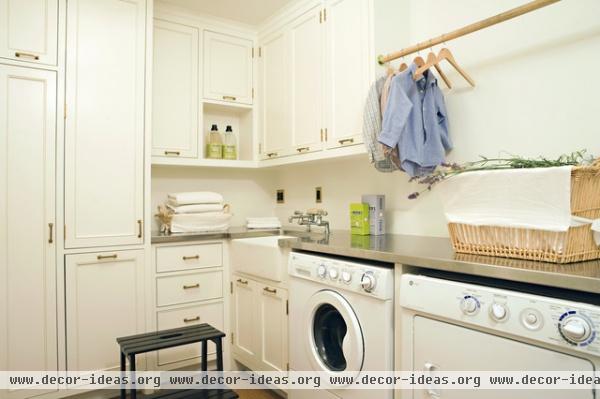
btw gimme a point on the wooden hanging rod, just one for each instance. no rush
(465, 30)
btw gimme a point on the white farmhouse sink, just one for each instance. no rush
(260, 257)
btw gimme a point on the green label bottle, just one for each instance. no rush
(214, 148)
(229, 144)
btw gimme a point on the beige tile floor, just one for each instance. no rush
(257, 394)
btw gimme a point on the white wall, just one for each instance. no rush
(249, 192)
(537, 94)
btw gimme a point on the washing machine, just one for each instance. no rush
(447, 324)
(340, 321)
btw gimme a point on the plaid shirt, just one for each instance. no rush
(372, 127)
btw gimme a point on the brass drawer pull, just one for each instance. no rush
(50, 233)
(346, 141)
(19, 54)
(103, 257)
(188, 287)
(191, 257)
(302, 149)
(232, 98)
(270, 290)
(172, 153)
(245, 282)
(140, 228)
(186, 320)
(271, 154)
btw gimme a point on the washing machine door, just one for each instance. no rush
(335, 341)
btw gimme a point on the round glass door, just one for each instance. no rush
(335, 341)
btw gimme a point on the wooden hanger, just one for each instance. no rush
(432, 61)
(389, 70)
(402, 67)
(419, 61)
(446, 54)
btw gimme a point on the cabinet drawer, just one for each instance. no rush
(211, 313)
(187, 257)
(191, 287)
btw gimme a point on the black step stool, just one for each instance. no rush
(150, 342)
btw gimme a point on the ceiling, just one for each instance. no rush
(252, 12)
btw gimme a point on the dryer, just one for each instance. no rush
(340, 321)
(450, 325)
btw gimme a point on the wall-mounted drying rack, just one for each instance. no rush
(496, 19)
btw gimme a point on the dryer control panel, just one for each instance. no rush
(554, 321)
(375, 281)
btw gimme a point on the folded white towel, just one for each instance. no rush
(269, 222)
(197, 197)
(192, 222)
(527, 198)
(196, 208)
(263, 226)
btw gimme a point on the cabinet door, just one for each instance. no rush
(29, 30)
(245, 329)
(273, 318)
(175, 90)
(307, 68)
(28, 336)
(227, 68)
(347, 69)
(104, 127)
(104, 300)
(275, 118)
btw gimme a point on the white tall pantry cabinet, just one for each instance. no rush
(28, 316)
(73, 87)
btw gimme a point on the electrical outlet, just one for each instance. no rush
(318, 195)
(280, 197)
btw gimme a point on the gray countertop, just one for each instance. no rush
(427, 252)
(437, 253)
(231, 233)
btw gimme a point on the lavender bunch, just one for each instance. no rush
(447, 170)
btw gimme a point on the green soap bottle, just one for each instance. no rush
(214, 148)
(229, 144)
(359, 219)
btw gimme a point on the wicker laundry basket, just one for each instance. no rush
(574, 245)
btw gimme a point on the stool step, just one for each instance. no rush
(148, 342)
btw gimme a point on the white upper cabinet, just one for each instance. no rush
(227, 68)
(275, 113)
(175, 99)
(29, 30)
(28, 335)
(347, 24)
(307, 61)
(104, 127)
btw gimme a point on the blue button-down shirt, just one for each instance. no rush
(415, 121)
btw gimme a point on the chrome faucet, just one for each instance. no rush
(312, 217)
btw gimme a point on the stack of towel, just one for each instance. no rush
(197, 212)
(263, 223)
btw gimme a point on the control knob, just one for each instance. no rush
(368, 281)
(333, 273)
(469, 305)
(346, 277)
(321, 271)
(575, 329)
(498, 311)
